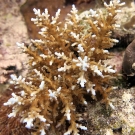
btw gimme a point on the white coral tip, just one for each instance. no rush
(13, 114)
(41, 86)
(68, 114)
(13, 77)
(29, 122)
(42, 132)
(37, 11)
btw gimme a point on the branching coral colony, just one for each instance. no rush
(65, 64)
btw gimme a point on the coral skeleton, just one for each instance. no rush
(67, 63)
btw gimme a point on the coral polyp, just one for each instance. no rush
(64, 65)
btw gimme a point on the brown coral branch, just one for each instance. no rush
(66, 64)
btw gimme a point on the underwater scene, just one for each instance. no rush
(67, 67)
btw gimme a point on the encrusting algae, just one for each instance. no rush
(67, 63)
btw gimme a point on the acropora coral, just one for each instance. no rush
(67, 63)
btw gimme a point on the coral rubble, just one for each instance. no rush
(67, 63)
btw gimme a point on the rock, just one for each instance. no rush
(129, 60)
